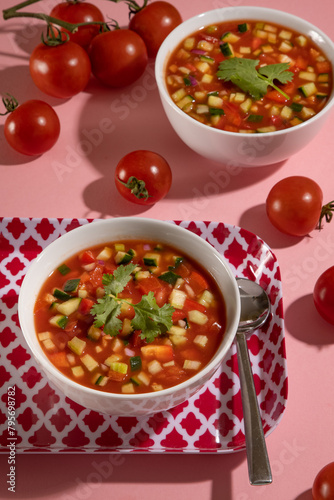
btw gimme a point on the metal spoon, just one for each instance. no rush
(255, 309)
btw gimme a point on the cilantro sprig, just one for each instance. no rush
(151, 319)
(243, 73)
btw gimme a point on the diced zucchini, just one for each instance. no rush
(126, 327)
(323, 77)
(295, 106)
(119, 247)
(265, 130)
(308, 89)
(44, 335)
(254, 118)
(197, 317)
(245, 50)
(61, 295)
(140, 275)
(189, 43)
(230, 37)
(215, 102)
(205, 45)
(177, 298)
(82, 293)
(101, 380)
(71, 285)
(246, 105)
(157, 387)
(186, 103)
(112, 359)
(190, 364)
(70, 306)
(49, 345)
(206, 298)
(118, 366)
(202, 109)
(307, 113)
(226, 49)
(122, 257)
(117, 345)
(201, 340)
(135, 381)
(307, 75)
(179, 94)
(94, 333)
(270, 28)
(169, 277)
(128, 388)
(76, 345)
(151, 259)
(154, 367)
(59, 320)
(63, 269)
(177, 330)
(178, 340)
(286, 112)
(301, 40)
(77, 371)
(207, 59)
(144, 378)
(105, 254)
(286, 35)
(207, 78)
(243, 27)
(89, 362)
(135, 363)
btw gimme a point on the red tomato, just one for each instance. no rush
(323, 486)
(323, 295)
(118, 57)
(294, 205)
(79, 12)
(143, 177)
(60, 71)
(32, 128)
(153, 23)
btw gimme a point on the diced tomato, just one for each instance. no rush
(136, 340)
(232, 114)
(190, 353)
(72, 328)
(151, 284)
(256, 42)
(109, 268)
(197, 282)
(116, 376)
(87, 257)
(178, 314)
(301, 62)
(276, 96)
(191, 305)
(161, 296)
(85, 306)
(171, 374)
(191, 67)
(276, 120)
(96, 276)
(59, 359)
(131, 292)
(323, 66)
(163, 353)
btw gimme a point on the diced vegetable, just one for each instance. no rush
(77, 345)
(70, 306)
(89, 362)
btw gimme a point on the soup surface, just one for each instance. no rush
(130, 317)
(213, 78)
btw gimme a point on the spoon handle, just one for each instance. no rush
(257, 456)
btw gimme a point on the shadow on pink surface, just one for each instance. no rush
(84, 477)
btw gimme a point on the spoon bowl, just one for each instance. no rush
(255, 310)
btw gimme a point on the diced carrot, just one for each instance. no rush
(256, 42)
(116, 376)
(163, 353)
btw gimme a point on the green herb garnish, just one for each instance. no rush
(243, 73)
(151, 319)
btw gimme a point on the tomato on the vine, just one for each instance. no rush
(60, 71)
(118, 57)
(75, 12)
(323, 295)
(32, 128)
(323, 485)
(143, 177)
(153, 23)
(294, 206)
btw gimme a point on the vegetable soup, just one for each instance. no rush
(130, 317)
(249, 76)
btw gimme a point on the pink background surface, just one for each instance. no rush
(75, 179)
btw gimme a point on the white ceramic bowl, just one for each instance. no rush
(109, 230)
(240, 149)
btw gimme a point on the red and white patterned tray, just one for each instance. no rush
(211, 421)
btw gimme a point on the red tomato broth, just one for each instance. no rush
(195, 88)
(167, 353)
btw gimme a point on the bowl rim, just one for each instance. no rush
(42, 359)
(164, 53)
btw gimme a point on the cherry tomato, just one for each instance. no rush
(60, 71)
(323, 486)
(32, 128)
(143, 177)
(323, 295)
(118, 57)
(79, 12)
(153, 23)
(294, 205)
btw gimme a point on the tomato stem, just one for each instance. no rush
(10, 104)
(137, 187)
(13, 12)
(134, 7)
(327, 213)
